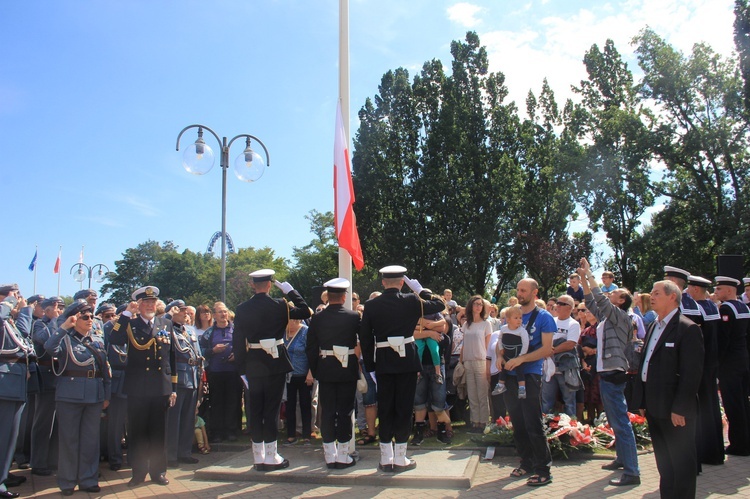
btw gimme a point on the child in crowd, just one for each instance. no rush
(575, 290)
(433, 347)
(201, 437)
(514, 341)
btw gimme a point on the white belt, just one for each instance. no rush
(341, 353)
(397, 343)
(269, 345)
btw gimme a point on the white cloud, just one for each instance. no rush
(464, 14)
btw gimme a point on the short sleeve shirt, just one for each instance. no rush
(544, 323)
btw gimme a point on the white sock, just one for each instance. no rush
(342, 454)
(272, 457)
(386, 454)
(259, 453)
(399, 455)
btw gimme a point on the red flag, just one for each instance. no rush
(346, 223)
(57, 263)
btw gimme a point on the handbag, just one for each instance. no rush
(362, 383)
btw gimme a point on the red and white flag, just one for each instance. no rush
(57, 262)
(346, 223)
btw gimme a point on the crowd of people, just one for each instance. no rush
(173, 379)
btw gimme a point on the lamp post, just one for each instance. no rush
(249, 166)
(80, 275)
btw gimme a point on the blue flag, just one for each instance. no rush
(32, 265)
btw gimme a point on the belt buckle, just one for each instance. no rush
(91, 374)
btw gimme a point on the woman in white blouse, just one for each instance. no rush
(477, 331)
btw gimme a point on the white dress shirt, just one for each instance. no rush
(659, 326)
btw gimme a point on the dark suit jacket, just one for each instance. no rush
(394, 314)
(150, 371)
(262, 317)
(335, 325)
(674, 371)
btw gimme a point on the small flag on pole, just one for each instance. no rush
(32, 265)
(57, 263)
(346, 223)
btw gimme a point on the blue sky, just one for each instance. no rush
(94, 93)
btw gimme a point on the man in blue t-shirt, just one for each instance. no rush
(526, 414)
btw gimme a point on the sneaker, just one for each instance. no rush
(522, 392)
(499, 388)
(439, 378)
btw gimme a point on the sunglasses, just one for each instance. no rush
(85, 317)
(563, 304)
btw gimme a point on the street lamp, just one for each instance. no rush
(249, 166)
(80, 275)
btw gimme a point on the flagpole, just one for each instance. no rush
(36, 257)
(345, 260)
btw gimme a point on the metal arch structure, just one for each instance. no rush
(212, 243)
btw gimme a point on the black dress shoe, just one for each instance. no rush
(625, 480)
(343, 466)
(188, 460)
(173, 464)
(386, 468)
(613, 466)
(135, 481)
(115, 467)
(8, 493)
(93, 489)
(399, 469)
(160, 480)
(332, 466)
(41, 472)
(273, 467)
(259, 467)
(67, 492)
(14, 480)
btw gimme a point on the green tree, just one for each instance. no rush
(701, 136)
(615, 189)
(317, 261)
(742, 42)
(136, 269)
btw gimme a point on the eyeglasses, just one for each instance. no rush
(563, 304)
(85, 317)
(581, 309)
(108, 316)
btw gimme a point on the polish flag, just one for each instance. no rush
(57, 263)
(346, 223)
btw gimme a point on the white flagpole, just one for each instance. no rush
(345, 260)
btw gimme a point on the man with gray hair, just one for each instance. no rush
(668, 383)
(613, 333)
(564, 342)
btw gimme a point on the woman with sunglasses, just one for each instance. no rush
(82, 392)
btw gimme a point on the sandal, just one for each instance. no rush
(290, 441)
(519, 472)
(538, 480)
(366, 440)
(203, 450)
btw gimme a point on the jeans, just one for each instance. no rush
(429, 391)
(613, 400)
(549, 395)
(528, 431)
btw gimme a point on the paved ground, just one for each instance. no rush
(574, 479)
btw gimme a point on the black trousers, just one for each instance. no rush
(709, 436)
(528, 431)
(265, 400)
(297, 386)
(336, 407)
(226, 403)
(674, 450)
(395, 405)
(147, 437)
(734, 393)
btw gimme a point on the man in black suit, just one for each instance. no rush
(331, 340)
(258, 347)
(670, 374)
(388, 348)
(150, 383)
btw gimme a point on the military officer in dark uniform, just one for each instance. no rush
(258, 347)
(44, 435)
(331, 339)
(14, 356)
(82, 391)
(150, 383)
(117, 412)
(181, 419)
(709, 436)
(734, 368)
(388, 348)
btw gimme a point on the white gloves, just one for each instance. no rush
(413, 285)
(285, 287)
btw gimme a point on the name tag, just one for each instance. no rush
(669, 345)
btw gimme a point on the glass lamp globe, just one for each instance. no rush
(249, 166)
(80, 275)
(100, 277)
(198, 158)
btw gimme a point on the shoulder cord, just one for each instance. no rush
(20, 342)
(70, 357)
(150, 343)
